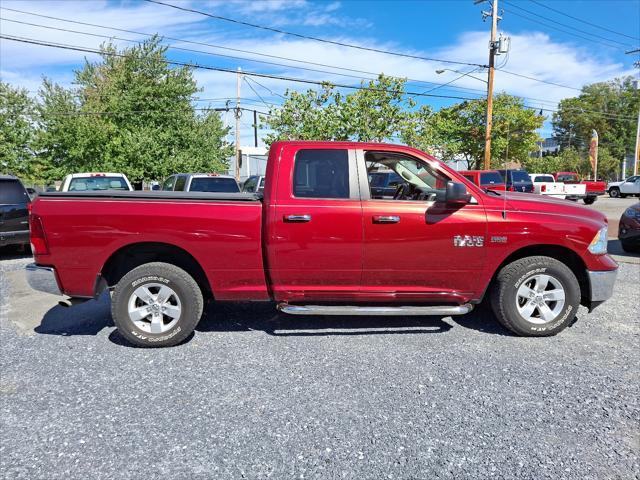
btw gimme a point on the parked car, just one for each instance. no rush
(487, 179)
(92, 182)
(317, 243)
(630, 186)
(629, 229)
(545, 184)
(254, 184)
(593, 189)
(517, 180)
(201, 182)
(14, 215)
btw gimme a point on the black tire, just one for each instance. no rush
(187, 295)
(589, 200)
(614, 192)
(504, 295)
(629, 248)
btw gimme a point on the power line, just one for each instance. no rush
(565, 25)
(272, 76)
(317, 39)
(583, 21)
(275, 94)
(221, 47)
(254, 91)
(534, 20)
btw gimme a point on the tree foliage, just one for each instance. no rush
(610, 108)
(16, 130)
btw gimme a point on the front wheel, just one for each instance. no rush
(614, 192)
(156, 305)
(589, 200)
(535, 296)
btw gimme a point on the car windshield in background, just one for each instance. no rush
(520, 177)
(11, 192)
(214, 184)
(567, 178)
(97, 183)
(544, 178)
(490, 178)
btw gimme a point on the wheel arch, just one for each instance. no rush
(561, 253)
(132, 255)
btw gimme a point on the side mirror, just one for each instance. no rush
(456, 193)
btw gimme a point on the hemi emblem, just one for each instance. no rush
(468, 241)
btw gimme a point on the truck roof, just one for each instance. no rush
(96, 174)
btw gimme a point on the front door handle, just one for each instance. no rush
(386, 219)
(297, 218)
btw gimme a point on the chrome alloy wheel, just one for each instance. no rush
(154, 308)
(540, 299)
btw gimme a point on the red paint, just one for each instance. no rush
(341, 254)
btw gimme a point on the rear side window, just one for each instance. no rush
(321, 174)
(214, 184)
(567, 178)
(12, 192)
(490, 178)
(250, 185)
(168, 183)
(180, 182)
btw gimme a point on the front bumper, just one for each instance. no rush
(601, 285)
(43, 279)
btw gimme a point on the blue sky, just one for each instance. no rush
(545, 44)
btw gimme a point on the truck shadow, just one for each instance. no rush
(91, 317)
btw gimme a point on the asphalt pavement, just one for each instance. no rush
(257, 394)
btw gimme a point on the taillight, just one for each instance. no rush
(543, 188)
(38, 239)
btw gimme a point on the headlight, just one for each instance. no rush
(598, 245)
(633, 213)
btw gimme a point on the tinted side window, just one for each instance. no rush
(490, 178)
(470, 178)
(180, 182)
(168, 183)
(250, 184)
(12, 192)
(321, 174)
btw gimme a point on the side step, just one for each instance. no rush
(371, 310)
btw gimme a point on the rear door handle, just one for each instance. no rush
(297, 218)
(386, 219)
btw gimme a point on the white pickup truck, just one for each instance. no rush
(545, 184)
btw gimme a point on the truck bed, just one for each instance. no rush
(221, 231)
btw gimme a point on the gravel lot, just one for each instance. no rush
(254, 394)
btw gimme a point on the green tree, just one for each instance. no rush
(610, 108)
(17, 130)
(459, 131)
(375, 113)
(129, 112)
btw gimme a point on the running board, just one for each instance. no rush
(371, 310)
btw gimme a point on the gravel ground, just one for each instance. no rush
(254, 394)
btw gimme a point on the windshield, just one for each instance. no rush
(490, 178)
(12, 192)
(97, 183)
(520, 177)
(568, 178)
(543, 178)
(214, 184)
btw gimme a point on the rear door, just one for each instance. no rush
(14, 216)
(315, 224)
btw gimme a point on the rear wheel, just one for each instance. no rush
(614, 192)
(156, 305)
(589, 200)
(535, 296)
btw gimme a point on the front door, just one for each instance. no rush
(416, 248)
(315, 249)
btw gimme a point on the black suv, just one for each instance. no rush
(14, 213)
(517, 180)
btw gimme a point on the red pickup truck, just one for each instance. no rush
(593, 188)
(317, 242)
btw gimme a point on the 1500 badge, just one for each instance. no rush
(468, 241)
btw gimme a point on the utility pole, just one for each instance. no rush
(255, 129)
(238, 153)
(492, 55)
